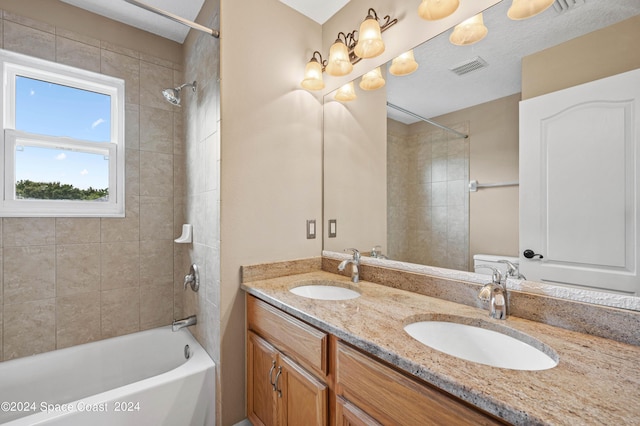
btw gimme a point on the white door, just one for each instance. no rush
(579, 185)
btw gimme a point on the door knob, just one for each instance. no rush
(530, 254)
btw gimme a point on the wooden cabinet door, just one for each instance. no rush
(302, 399)
(261, 371)
(348, 414)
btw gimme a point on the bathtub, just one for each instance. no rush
(145, 378)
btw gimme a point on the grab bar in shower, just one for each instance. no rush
(474, 185)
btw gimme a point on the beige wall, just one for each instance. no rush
(609, 51)
(271, 166)
(355, 170)
(68, 281)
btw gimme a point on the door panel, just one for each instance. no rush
(579, 185)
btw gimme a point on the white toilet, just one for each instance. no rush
(492, 260)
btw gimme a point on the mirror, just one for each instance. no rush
(414, 201)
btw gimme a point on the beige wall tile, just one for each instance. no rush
(77, 319)
(156, 218)
(156, 306)
(76, 230)
(123, 229)
(77, 269)
(156, 262)
(126, 68)
(29, 273)
(105, 45)
(156, 174)
(28, 22)
(28, 231)
(120, 265)
(29, 41)
(72, 35)
(1, 286)
(132, 172)
(120, 311)
(1, 332)
(77, 54)
(132, 126)
(153, 79)
(32, 328)
(156, 130)
(178, 133)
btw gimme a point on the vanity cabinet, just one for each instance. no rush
(294, 370)
(286, 369)
(392, 398)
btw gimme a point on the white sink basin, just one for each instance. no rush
(483, 346)
(325, 292)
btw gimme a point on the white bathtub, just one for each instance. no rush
(138, 379)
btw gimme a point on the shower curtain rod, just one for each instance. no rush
(419, 117)
(195, 26)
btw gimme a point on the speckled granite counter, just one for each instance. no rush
(597, 381)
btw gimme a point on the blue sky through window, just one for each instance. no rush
(56, 110)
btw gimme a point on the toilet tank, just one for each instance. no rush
(492, 260)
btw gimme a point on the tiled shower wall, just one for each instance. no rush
(201, 195)
(67, 281)
(427, 195)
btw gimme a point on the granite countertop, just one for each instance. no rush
(597, 380)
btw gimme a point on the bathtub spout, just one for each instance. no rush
(185, 322)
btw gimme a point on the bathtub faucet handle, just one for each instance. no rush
(193, 279)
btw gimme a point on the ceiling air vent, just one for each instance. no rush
(469, 66)
(562, 6)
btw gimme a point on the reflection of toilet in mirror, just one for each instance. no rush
(497, 262)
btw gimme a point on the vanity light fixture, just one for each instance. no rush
(404, 64)
(346, 93)
(432, 10)
(469, 31)
(372, 80)
(339, 57)
(348, 51)
(370, 42)
(313, 73)
(523, 9)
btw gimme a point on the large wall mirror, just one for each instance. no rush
(394, 180)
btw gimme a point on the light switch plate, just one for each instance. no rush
(311, 229)
(333, 228)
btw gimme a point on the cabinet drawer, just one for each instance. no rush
(300, 341)
(394, 399)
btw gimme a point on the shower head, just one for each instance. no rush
(172, 95)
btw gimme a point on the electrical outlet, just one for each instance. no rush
(311, 229)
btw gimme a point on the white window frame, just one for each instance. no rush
(13, 65)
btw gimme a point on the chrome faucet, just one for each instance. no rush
(185, 322)
(512, 270)
(495, 293)
(354, 262)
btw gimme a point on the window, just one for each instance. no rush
(62, 140)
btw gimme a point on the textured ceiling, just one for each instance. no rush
(433, 90)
